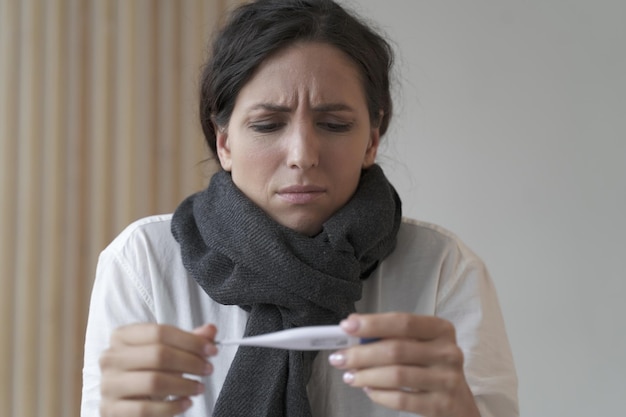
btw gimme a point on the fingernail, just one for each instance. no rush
(350, 325)
(200, 388)
(208, 369)
(348, 377)
(337, 359)
(186, 403)
(210, 349)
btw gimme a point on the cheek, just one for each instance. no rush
(347, 166)
(252, 169)
(245, 157)
(346, 172)
(348, 159)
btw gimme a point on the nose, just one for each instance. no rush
(303, 147)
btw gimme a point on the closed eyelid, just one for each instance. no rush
(338, 127)
(266, 125)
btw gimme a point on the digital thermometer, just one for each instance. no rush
(301, 338)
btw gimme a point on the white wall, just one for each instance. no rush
(510, 130)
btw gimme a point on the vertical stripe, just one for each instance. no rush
(76, 275)
(28, 198)
(9, 77)
(51, 145)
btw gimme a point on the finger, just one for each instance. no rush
(153, 357)
(145, 408)
(208, 331)
(150, 333)
(399, 352)
(405, 378)
(423, 403)
(398, 325)
(148, 384)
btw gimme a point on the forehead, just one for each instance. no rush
(318, 72)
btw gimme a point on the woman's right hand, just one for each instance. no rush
(142, 370)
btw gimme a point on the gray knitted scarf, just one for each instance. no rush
(284, 279)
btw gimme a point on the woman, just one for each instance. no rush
(300, 227)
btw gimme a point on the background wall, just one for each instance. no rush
(510, 130)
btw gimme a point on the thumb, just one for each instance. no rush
(207, 331)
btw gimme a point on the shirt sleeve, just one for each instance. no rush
(468, 299)
(118, 298)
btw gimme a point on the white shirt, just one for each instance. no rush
(140, 278)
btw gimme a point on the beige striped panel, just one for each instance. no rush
(98, 127)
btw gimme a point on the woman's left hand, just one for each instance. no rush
(416, 366)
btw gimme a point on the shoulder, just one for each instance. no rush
(145, 245)
(426, 263)
(422, 229)
(152, 227)
(143, 263)
(149, 234)
(433, 253)
(416, 236)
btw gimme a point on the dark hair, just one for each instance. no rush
(256, 30)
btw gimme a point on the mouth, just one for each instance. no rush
(301, 194)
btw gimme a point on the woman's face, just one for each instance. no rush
(299, 135)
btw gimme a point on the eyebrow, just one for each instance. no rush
(333, 107)
(286, 109)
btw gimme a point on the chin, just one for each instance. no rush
(309, 227)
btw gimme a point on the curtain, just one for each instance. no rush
(98, 127)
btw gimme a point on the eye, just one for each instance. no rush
(336, 127)
(266, 127)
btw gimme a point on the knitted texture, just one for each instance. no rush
(284, 279)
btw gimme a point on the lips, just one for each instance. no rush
(301, 189)
(301, 194)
